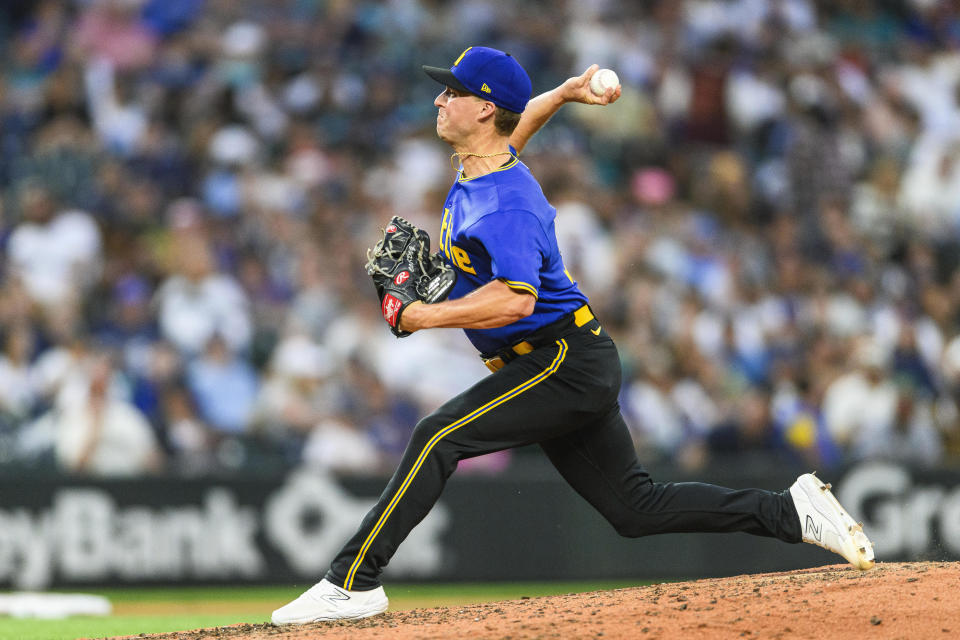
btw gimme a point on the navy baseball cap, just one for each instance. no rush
(491, 74)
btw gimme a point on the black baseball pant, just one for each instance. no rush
(562, 396)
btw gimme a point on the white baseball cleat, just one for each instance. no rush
(325, 601)
(827, 524)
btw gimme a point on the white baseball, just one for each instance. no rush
(602, 80)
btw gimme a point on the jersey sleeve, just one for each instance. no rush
(517, 247)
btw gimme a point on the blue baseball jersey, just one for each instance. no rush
(500, 226)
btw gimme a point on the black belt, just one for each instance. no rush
(539, 338)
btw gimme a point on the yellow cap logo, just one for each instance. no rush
(485, 88)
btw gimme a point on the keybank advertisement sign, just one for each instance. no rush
(91, 534)
(907, 515)
(507, 527)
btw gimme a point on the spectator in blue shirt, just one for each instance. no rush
(224, 387)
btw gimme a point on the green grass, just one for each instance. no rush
(90, 627)
(183, 594)
(149, 610)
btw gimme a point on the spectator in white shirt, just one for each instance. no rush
(101, 434)
(56, 255)
(864, 397)
(197, 302)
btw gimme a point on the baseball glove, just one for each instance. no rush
(403, 271)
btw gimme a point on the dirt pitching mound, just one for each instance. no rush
(909, 600)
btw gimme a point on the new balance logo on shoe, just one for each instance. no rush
(338, 595)
(812, 526)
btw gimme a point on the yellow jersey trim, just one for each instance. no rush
(496, 402)
(500, 168)
(522, 286)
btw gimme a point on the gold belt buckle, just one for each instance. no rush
(495, 363)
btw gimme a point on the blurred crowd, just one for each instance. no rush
(767, 221)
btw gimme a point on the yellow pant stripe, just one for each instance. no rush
(512, 393)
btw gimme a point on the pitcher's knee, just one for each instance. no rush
(428, 439)
(425, 430)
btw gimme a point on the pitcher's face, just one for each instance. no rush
(457, 114)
